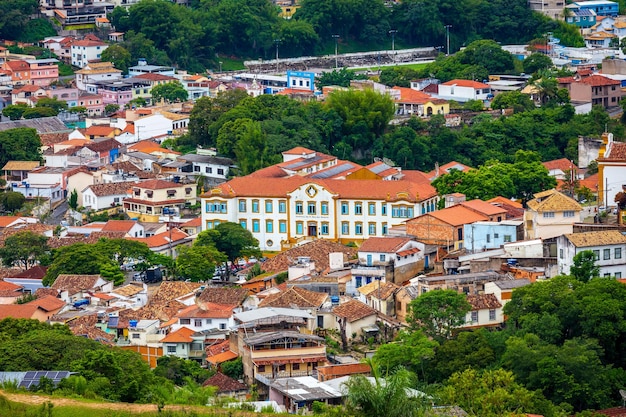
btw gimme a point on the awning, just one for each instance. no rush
(289, 359)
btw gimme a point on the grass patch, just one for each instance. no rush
(231, 64)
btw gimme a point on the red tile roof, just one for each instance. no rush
(182, 335)
(18, 311)
(483, 301)
(155, 77)
(598, 80)
(353, 310)
(224, 383)
(401, 190)
(408, 95)
(336, 371)
(466, 83)
(456, 216)
(162, 239)
(562, 164)
(99, 130)
(88, 43)
(298, 150)
(295, 297)
(222, 357)
(617, 151)
(158, 185)
(207, 310)
(112, 188)
(384, 244)
(48, 303)
(483, 207)
(119, 225)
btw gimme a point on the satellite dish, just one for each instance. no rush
(623, 394)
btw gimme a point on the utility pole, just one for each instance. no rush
(447, 39)
(393, 32)
(221, 66)
(277, 42)
(336, 46)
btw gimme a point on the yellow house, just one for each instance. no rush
(158, 200)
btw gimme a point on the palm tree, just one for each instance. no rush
(385, 397)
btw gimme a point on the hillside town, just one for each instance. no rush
(306, 268)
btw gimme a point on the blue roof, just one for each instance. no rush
(583, 12)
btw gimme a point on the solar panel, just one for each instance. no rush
(331, 172)
(380, 168)
(32, 378)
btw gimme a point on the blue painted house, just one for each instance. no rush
(582, 18)
(599, 7)
(480, 236)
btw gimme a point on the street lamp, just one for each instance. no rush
(448, 39)
(393, 32)
(221, 66)
(277, 42)
(336, 43)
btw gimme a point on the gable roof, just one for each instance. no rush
(384, 244)
(48, 303)
(20, 165)
(158, 184)
(483, 207)
(111, 188)
(466, 83)
(224, 383)
(8, 289)
(163, 239)
(119, 226)
(379, 290)
(100, 130)
(18, 311)
(318, 250)
(74, 283)
(552, 200)
(562, 164)
(207, 310)
(295, 297)
(456, 215)
(446, 168)
(616, 151)
(587, 239)
(353, 310)
(223, 295)
(504, 200)
(182, 335)
(483, 301)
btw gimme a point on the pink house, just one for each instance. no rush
(43, 71)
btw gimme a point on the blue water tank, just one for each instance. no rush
(132, 323)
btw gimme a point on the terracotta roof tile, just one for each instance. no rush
(162, 239)
(455, 216)
(182, 335)
(562, 164)
(384, 244)
(617, 151)
(223, 295)
(466, 83)
(483, 301)
(85, 326)
(75, 283)
(552, 200)
(483, 207)
(295, 297)
(224, 383)
(48, 302)
(119, 225)
(335, 371)
(128, 290)
(218, 348)
(99, 130)
(18, 311)
(318, 251)
(112, 188)
(158, 185)
(586, 239)
(207, 310)
(222, 357)
(353, 310)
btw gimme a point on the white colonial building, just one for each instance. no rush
(283, 211)
(609, 248)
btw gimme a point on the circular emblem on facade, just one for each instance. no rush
(311, 191)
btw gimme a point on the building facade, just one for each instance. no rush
(609, 248)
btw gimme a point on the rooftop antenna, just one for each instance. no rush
(623, 394)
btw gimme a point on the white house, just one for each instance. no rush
(101, 196)
(206, 316)
(143, 67)
(486, 311)
(207, 165)
(550, 214)
(85, 51)
(142, 332)
(134, 295)
(609, 248)
(96, 71)
(357, 316)
(503, 290)
(464, 90)
(392, 259)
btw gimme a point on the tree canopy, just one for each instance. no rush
(438, 313)
(231, 239)
(24, 249)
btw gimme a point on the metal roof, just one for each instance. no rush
(305, 388)
(266, 337)
(270, 312)
(336, 170)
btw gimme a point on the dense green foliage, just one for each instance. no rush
(24, 249)
(194, 37)
(20, 144)
(15, 16)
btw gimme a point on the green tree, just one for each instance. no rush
(493, 393)
(73, 200)
(530, 175)
(111, 272)
(536, 62)
(38, 112)
(231, 239)
(489, 55)
(470, 349)
(207, 110)
(584, 267)
(513, 99)
(341, 77)
(177, 370)
(233, 369)
(109, 109)
(121, 251)
(15, 17)
(388, 396)
(12, 200)
(409, 350)
(365, 116)
(51, 103)
(438, 313)
(24, 249)
(15, 111)
(79, 258)
(170, 92)
(119, 56)
(198, 263)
